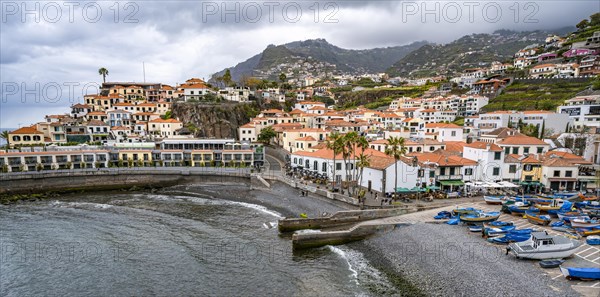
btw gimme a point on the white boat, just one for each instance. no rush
(493, 199)
(584, 223)
(542, 246)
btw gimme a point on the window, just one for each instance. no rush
(568, 173)
(442, 171)
(497, 155)
(431, 174)
(515, 150)
(540, 150)
(315, 165)
(526, 150)
(468, 171)
(453, 133)
(507, 150)
(324, 167)
(338, 166)
(496, 171)
(556, 173)
(512, 169)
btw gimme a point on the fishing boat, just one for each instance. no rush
(567, 216)
(541, 246)
(493, 231)
(580, 273)
(588, 231)
(566, 195)
(443, 215)
(499, 223)
(494, 200)
(589, 205)
(593, 240)
(480, 217)
(453, 221)
(475, 228)
(465, 210)
(536, 218)
(520, 208)
(510, 237)
(552, 263)
(584, 223)
(555, 205)
(587, 198)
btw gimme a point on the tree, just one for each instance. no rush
(543, 130)
(227, 78)
(266, 134)
(363, 161)
(332, 143)
(282, 77)
(4, 135)
(595, 19)
(395, 148)
(104, 72)
(583, 24)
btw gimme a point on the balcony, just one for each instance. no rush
(450, 177)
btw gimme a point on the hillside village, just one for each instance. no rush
(440, 139)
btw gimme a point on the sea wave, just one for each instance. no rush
(80, 204)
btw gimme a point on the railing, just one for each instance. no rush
(450, 177)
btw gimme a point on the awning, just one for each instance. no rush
(433, 188)
(531, 183)
(452, 183)
(403, 190)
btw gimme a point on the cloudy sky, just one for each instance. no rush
(50, 51)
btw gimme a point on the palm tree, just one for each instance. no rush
(363, 161)
(333, 144)
(395, 148)
(104, 72)
(4, 135)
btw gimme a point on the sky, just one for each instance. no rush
(50, 51)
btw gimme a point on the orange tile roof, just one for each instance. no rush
(328, 154)
(568, 156)
(522, 140)
(381, 162)
(484, 146)
(454, 146)
(26, 130)
(306, 138)
(167, 121)
(442, 160)
(442, 125)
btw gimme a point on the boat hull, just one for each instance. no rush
(493, 200)
(479, 219)
(580, 273)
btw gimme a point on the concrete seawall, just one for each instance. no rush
(317, 239)
(339, 219)
(115, 178)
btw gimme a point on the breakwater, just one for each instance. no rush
(116, 178)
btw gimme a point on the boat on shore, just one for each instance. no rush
(593, 240)
(475, 228)
(555, 205)
(480, 217)
(552, 263)
(465, 210)
(588, 232)
(583, 273)
(512, 236)
(494, 231)
(494, 200)
(541, 246)
(536, 218)
(584, 223)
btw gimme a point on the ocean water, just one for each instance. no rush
(124, 244)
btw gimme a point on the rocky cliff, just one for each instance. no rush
(219, 121)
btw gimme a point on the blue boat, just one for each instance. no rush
(593, 240)
(443, 215)
(453, 221)
(475, 228)
(508, 238)
(500, 223)
(520, 209)
(580, 273)
(465, 210)
(493, 231)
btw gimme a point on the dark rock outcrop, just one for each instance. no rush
(218, 121)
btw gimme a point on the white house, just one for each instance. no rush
(379, 176)
(489, 157)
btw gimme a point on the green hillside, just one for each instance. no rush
(530, 95)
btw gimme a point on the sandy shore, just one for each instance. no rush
(444, 260)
